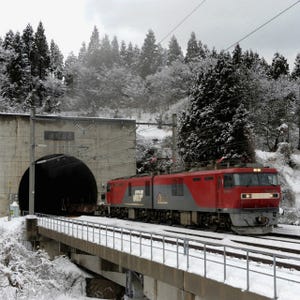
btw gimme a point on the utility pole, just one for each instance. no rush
(174, 146)
(298, 113)
(32, 161)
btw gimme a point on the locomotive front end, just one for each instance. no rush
(259, 196)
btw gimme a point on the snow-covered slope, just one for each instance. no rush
(289, 179)
(25, 274)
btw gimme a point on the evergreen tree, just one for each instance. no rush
(17, 70)
(123, 53)
(217, 122)
(237, 55)
(174, 51)
(41, 62)
(5, 57)
(71, 75)
(203, 50)
(93, 50)
(28, 40)
(115, 51)
(192, 51)
(106, 58)
(149, 57)
(8, 40)
(56, 61)
(279, 66)
(296, 70)
(82, 53)
(162, 57)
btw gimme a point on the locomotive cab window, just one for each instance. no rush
(228, 181)
(177, 187)
(108, 187)
(255, 179)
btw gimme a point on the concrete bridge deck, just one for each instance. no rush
(166, 269)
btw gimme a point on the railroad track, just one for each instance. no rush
(203, 240)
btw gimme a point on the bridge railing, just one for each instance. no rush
(243, 267)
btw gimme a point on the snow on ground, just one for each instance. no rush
(30, 275)
(289, 180)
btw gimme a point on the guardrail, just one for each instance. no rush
(191, 255)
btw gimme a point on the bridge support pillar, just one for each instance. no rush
(134, 286)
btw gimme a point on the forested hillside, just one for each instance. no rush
(235, 100)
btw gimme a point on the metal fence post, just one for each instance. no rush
(274, 268)
(114, 237)
(164, 249)
(93, 233)
(99, 235)
(224, 263)
(177, 253)
(130, 236)
(187, 255)
(204, 260)
(122, 239)
(151, 250)
(140, 244)
(248, 275)
(87, 231)
(106, 235)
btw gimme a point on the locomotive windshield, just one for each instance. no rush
(250, 179)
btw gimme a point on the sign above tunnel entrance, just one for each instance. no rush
(59, 135)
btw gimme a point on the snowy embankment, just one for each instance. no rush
(26, 274)
(289, 179)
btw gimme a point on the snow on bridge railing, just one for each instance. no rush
(234, 265)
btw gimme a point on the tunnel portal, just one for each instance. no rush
(64, 185)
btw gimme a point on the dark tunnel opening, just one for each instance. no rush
(63, 185)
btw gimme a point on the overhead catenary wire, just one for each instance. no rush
(263, 25)
(182, 21)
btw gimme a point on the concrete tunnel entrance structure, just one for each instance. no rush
(63, 185)
(105, 146)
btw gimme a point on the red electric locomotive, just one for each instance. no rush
(245, 199)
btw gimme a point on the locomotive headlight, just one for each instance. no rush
(246, 196)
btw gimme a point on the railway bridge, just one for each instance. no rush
(160, 266)
(75, 156)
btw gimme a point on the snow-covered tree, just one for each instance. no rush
(82, 53)
(41, 62)
(192, 51)
(168, 86)
(93, 50)
(216, 124)
(106, 58)
(115, 51)
(296, 71)
(149, 57)
(174, 51)
(275, 109)
(237, 55)
(56, 61)
(279, 66)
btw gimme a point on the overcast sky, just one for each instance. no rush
(217, 23)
